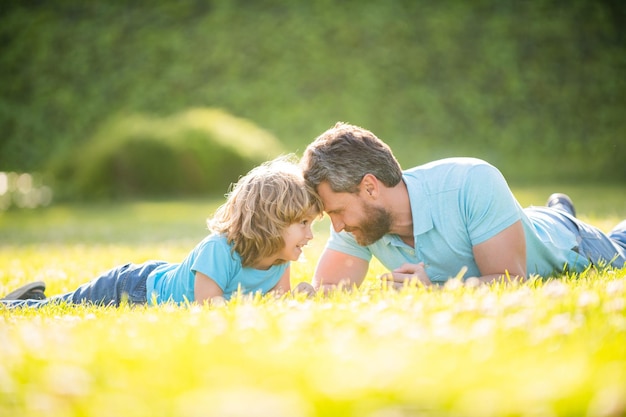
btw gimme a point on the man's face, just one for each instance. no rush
(355, 214)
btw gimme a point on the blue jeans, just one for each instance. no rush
(124, 283)
(600, 248)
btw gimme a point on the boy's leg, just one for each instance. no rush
(31, 291)
(126, 282)
(31, 294)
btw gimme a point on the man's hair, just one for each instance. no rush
(344, 154)
(261, 206)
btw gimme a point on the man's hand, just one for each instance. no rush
(407, 273)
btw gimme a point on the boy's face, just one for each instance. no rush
(296, 236)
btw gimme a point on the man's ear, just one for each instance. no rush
(369, 186)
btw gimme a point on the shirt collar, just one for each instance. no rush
(420, 205)
(420, 211)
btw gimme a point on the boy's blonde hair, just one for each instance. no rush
(261, 205)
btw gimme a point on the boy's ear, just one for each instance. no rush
(369, 186)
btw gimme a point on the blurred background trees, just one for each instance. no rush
(535, 87)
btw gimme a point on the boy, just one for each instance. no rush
(262, 226)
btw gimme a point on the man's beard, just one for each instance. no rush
(377, 223)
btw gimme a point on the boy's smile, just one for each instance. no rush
(296, 236)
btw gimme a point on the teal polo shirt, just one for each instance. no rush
(457, 203)
(215, 258)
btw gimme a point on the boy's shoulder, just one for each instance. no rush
(215, 249)
(214, 241)
(215, 237)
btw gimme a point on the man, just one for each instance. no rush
(448, 218)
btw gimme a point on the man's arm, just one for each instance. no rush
(503, 254)
(334, 268)
(498, 258)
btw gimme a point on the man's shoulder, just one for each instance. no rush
(447, 174)
(448, 164)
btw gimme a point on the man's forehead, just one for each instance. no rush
(331, 200)
(325, 190)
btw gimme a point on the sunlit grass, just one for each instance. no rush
(555, 348)
(542, 348)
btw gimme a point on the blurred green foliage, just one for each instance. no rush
(197, 152)
(535, 87)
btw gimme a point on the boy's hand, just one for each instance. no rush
(217, 301)
(306, 288)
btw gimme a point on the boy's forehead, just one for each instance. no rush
(311, 213)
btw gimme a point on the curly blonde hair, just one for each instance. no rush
(261, 206)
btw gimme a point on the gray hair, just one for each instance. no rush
(344, 154)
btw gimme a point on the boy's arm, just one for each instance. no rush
(284, 284)
(206, 290)
(335, 268)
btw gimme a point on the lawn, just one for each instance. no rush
(543, 348)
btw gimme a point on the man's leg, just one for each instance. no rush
(600, 248)
(561, 202)
(618, 234)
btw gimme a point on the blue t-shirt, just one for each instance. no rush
(215, 258)
(457, 203)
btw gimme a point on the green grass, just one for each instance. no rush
(553, 348)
